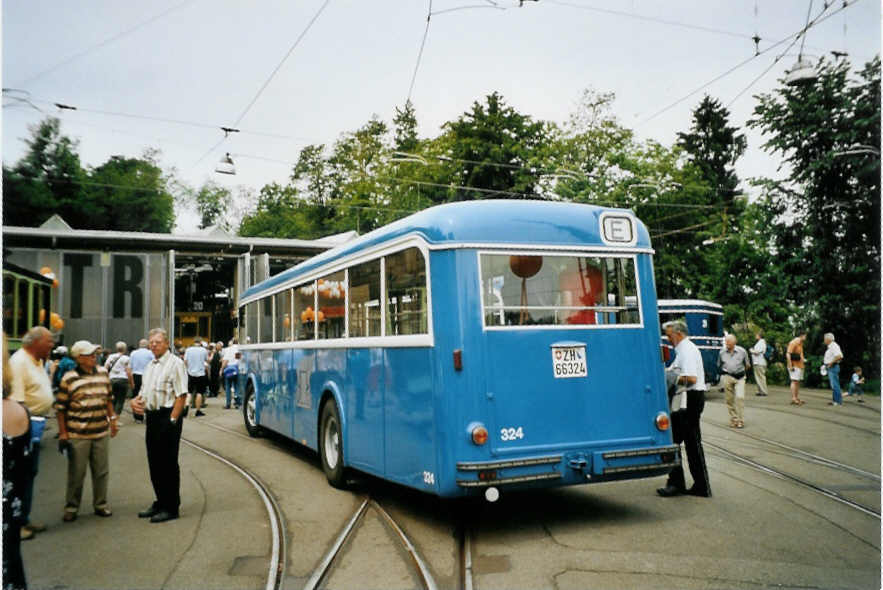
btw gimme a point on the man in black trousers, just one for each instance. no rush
(686, 408)
(162, 400)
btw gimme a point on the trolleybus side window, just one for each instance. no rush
(283, 316)
(332, 305)
(304, 311)
(9, 309)
(266, 332)
(525, 290)
(24, 287)
(365, 299)
(406, 293)
(251, 322)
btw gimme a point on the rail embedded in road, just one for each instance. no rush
(276, 573)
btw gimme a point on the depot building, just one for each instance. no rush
(115, 286)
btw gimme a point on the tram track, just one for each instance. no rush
(326, 566)
(778, 473)
(278, 551)
(800, 453)
(827, 417)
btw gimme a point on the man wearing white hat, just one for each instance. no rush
(85, 418)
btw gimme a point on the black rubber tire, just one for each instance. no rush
(331, 445)
(249, 414)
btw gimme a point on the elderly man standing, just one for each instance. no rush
(85, 418)
(31, 386)
(833, 356)
(732, 361)
(688, 376)
(162, 399)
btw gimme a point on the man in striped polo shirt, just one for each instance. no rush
(85, 418)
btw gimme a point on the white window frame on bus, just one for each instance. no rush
(571, 252)
(380, 251)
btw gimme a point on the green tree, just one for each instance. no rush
(213, 203)
(714, 146)
(126, 194)
(493, 147)
(405, 125)
(47, 180)
(129, 194)
(824, 215)
(279, 213)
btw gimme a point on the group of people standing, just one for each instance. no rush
(685, 379)
(88, 398)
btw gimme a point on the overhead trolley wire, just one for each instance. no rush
(844, 6)
(650, 19)
(802, 37)
(420, 53)
(197, 124)
(101, 44)
(266, 82)
(279, 65)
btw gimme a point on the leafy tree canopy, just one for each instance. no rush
(128, 194)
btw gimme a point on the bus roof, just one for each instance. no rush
(687, 304)
(489, 222)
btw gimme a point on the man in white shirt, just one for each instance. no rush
(138, 361)
(833, 356)
(687, 406)
(196, 358)
(758, 361)
(31, 387)
(162, 399)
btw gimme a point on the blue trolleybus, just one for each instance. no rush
(469, 347)
(705, 322)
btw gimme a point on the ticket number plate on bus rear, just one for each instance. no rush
(569, 361)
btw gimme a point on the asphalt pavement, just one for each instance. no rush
(759, 530)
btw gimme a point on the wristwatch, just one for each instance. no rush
(173, 420)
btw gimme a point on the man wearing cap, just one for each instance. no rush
(31, 387)
(162, 399)
(85, 418)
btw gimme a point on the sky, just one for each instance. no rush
(169, 74)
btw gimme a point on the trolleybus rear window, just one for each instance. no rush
(558, 290)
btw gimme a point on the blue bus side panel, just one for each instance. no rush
(364, 400)
(275, 407)
(409, 422)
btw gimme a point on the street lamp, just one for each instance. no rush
(225, 166)
(803, 73)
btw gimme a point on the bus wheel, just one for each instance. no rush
(249, 412)
(331, 445)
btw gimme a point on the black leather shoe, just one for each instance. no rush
(149, 512)
(669, 491)
(698, 492)
(163, 516)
